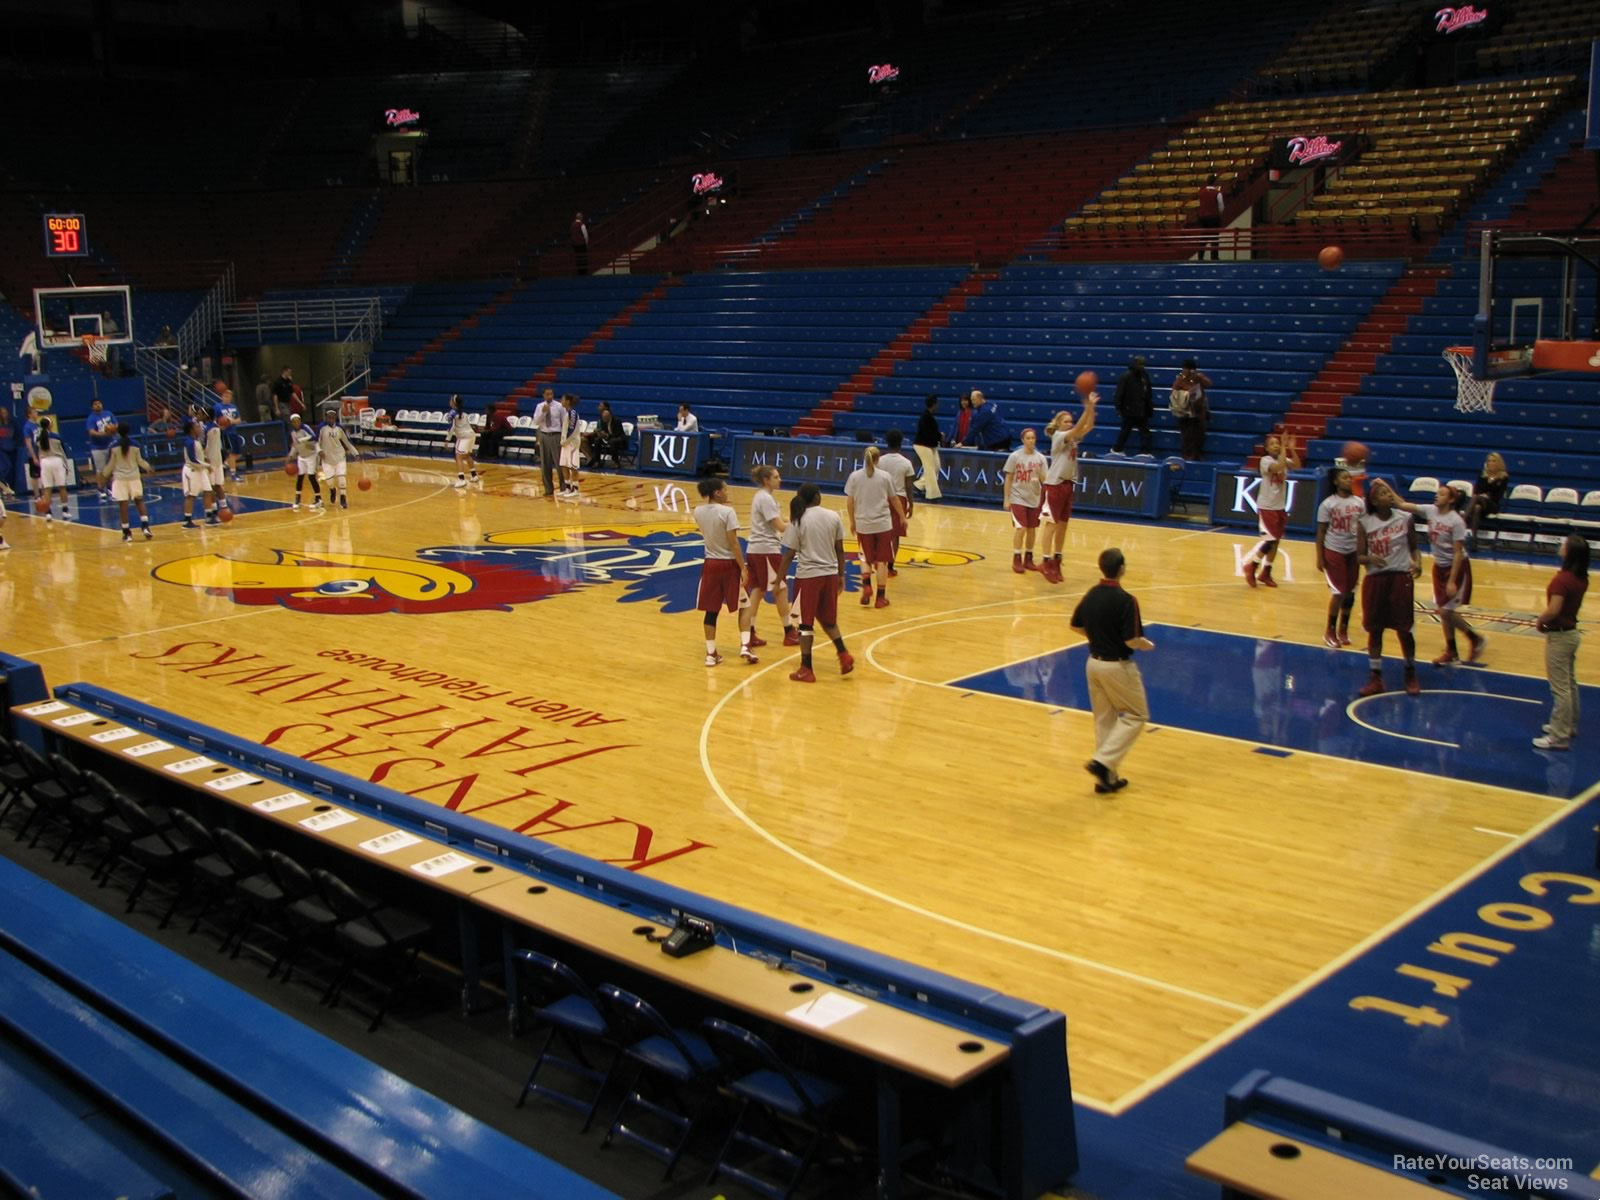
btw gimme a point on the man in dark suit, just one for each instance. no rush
(1135, 404)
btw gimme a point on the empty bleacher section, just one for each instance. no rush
(1558, 184)
(422, 232)
(1261, 331)
(584, 105)
(1345, 48)
(429, 313)
(1541, 35)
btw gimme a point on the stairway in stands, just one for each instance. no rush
(819, 422)
(1342, 374)
(547, 375)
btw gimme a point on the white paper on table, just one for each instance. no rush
(40, 710)
(388, 843)
(228, 782)
(331, 819)
(442, 864)
(143, 748)
(187, 765)
(279, 803)
(74, 719)
(113, 735)
(827, 1009)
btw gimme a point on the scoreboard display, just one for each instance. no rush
(66, 235)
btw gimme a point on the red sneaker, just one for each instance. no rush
(1052, 571)
(1016, 565)
(1372, 687)
(1476, 653)
(1267, 580)
(748, 655)
(1413, 688)
(866, 597)
(803, 675)
(756, 641)
(714, 659)
(847, 663)
(1445, 659)
(1029, 565)
(1344, 637)
(1331, 639)
(1250, 573)
(881, 602)
(791, 636)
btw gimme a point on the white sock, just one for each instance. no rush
(711, 646)
(744, 639)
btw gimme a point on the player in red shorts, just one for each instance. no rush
(1059, 480)
(874, 510)
(1452, 569)
(764, 552)
(1337, 519)
(900, 469)
(815, 540)
(1272, 502)
(722, 575)
(1386, 544)
(1024, 496)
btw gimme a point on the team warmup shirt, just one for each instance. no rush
(1446, 531)
(763, 531)
(102, 430)
(1340, 514)
(1388, 541)
(814, 538)
(1273, 493)
(1027, 473)
(1063, 459)
(333, 444)
(716, 522)
(305, 442)
(461, 427)
(126, 464)
(213, 441)
(54, 449)
(194, 453)
(899, 469)
(871, 494)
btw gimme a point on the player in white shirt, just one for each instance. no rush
(197, 474)
(464, 438)
(873, 507)
(1065, 436)
(303, 448)
(571, 446)
(763, 554)
(1337, 519)
(124, 463)
(1386, 545)
(1025, 470)
(900, 469)
(722, 574)
(333, 448)
(52, 469)
(1272, 502)
(1452, 569)
(814, 541)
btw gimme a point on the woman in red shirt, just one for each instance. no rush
(963, 420)
(1559, 624)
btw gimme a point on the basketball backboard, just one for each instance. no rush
(64, 315)
(1537, 300)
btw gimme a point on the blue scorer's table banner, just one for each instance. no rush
(1104, 485)
(1233, 498)
(264, 439)
(665, 451)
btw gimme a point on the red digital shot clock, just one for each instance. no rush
(66, 235)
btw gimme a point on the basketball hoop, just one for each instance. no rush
(94, 347)
(1472, 395)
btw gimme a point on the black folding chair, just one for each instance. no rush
(571, 1011)
(387, 938)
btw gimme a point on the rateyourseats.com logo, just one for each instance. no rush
(1508, 1174)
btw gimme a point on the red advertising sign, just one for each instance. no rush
(1452, 19)
(882, 74)
(706, 182)
(398, 118)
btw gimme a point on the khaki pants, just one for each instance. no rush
(930, 471)
(1560, 664)
(1116, 694)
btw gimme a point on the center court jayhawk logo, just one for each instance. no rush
(655, 563)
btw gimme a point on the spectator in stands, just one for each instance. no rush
(498, 429)
(264, 400)
(8, 450)
(958, 435)
(1559, 624)
(988, 430)
(1189, 404)
(283, 388)
(687, 421)
(549, 420)
(1489, 493)
(1208, 214)
(927, 443)
(1135, 404)
(608, 439)
(580, 245)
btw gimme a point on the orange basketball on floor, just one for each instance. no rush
(1354, 453)
(289, 467)
(364, 484)
(1087, 382)
(42, 504)
(225, 515)
(1329, 258)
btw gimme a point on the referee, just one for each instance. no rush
(1109, 618)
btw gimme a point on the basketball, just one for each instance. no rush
(364, 484)
(289, 467)
(1354, 453)
(42, 504)
(225, 515)
(1087, 381)
(1330, 258)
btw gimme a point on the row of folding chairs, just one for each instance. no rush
(247, 893)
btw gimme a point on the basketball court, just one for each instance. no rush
(537, 663)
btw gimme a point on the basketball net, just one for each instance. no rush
(1472, 395)
(94, 347)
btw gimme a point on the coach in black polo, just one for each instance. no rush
(1109, 618)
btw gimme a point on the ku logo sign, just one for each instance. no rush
(654, 563)
(1244, 494)
(669, 450)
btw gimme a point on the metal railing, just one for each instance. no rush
(289, 320)
(200, 330)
